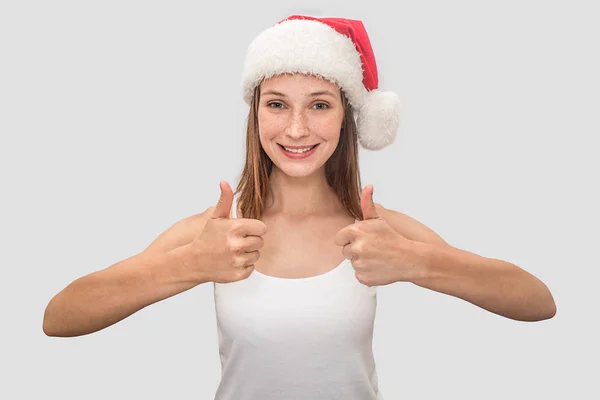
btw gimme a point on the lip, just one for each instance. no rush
(298, 147)
(297, 156)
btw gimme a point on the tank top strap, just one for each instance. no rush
(234, 207)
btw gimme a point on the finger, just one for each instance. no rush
(251, 227)
(250, 258)
(223, 208)
(252, 243)
(367, 205)
(348, 252)
(345, 235)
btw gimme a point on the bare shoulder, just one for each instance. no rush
(181, 232)
(409, 227)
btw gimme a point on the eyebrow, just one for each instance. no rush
(313, 94)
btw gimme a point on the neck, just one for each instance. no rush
(301, 197)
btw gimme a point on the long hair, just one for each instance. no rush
(341, 169)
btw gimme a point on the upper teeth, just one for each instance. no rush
(298, 150)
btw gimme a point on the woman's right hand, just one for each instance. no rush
(227, 248)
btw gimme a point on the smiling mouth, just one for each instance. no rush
(297, 148)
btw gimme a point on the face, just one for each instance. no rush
(299, 111)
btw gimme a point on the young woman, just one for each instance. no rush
(297, 252)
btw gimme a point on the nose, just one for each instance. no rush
(298, 126)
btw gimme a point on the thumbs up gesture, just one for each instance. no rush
(378, 253)
(228, 247)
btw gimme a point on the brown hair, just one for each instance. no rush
(341, 169)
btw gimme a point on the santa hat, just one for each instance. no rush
(338, 50)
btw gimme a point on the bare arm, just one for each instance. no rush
(103, 298)
(98, 300)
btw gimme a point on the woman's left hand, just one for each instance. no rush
(378, 253)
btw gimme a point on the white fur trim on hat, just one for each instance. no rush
(308, 47)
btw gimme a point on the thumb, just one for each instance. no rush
(367, 205)
(223, 208)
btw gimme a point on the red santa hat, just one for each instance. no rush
(338, 50)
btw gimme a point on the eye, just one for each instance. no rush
(321, 106)
(275, 104)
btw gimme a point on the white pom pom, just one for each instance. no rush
(378, 119)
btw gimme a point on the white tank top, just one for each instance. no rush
(296, 338)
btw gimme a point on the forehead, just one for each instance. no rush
(298, 81)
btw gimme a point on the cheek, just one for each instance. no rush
(328, 127)
(270, 127)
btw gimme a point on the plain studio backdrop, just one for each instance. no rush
(119, 118)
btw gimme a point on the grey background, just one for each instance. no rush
(119, 118)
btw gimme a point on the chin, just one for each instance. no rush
(298, 171)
